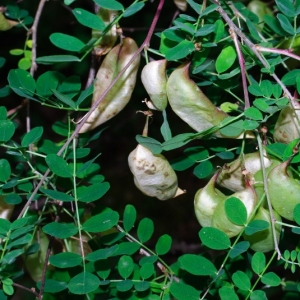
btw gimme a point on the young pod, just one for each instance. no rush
(120, 93)
(263, 241)
(153, 175)
(232, 177)
(6, 24)
(206, 201)
(284, 191)
(189, 102)
(110, 38)
(220, 220)
(287, 126)
(154, 80)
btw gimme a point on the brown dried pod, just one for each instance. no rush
(120, 93)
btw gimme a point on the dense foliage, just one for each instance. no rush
(220, 78)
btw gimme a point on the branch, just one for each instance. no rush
(242, 66)
(252, 46)
(32, 290)
(286, 52)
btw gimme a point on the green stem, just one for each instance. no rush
(76, 204)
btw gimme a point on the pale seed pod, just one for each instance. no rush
(120, 94)
(154, 80)
(189, 102)
(110, 38)
(181, 4)
(284, 191)
(232, 177)
(206, 201)
(287, 126)
(263, 241)
(6, 209)
(153, 175)
(220, 220)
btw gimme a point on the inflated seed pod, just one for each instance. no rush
(231, 176)
(287, 126)
(189, 102)
(263, 241)
(153, 175)
(284, 191)
(110, 38)
(120, 93)
(154, 80)
(206, 200)
(220, 220)
(6, 209)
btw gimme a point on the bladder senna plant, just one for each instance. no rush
(120, 94)
(154, 80)
(153, 175)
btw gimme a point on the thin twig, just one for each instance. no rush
(242, 66)
(33, 32)
(26, 289)
(286, 52)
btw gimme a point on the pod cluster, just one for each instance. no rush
(244, 177)
(189, 102)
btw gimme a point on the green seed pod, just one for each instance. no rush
(287, 126)
(153, 175)
(189, 102)
(154, 80)
(284, 191)
(263, 241)
(110, 38)
(220, 220)
(120, 94)
(6, 209)
(232, 177)
(206, 200)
